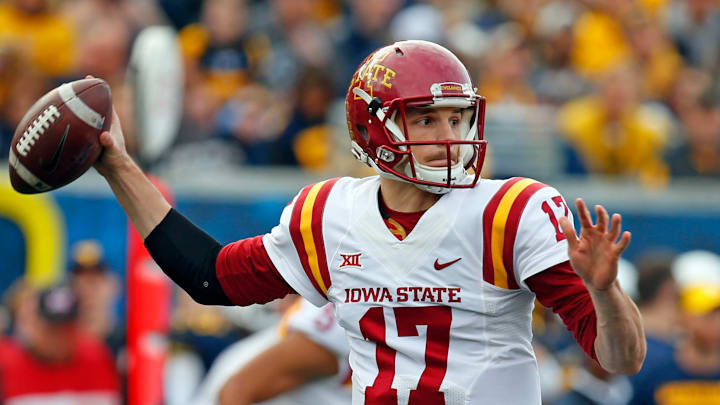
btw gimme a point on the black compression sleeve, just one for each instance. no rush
(187, 255)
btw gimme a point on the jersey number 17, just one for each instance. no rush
(437, 319)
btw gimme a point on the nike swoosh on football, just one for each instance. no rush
(439, 266)
(52, 164)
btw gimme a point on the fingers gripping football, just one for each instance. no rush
(113, 144)
(595, 253)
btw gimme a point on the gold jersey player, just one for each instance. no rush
(432, 270)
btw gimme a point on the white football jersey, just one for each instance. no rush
(443, 316)
(316, 323)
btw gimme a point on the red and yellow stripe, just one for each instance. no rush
(500, 223)
(306, 233)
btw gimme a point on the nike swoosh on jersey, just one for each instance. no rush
(52, 164)
(439, 266)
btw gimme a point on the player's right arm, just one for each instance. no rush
(312, 346)
(142, 202)
(254, 270)
(184, 252)
(293, 362)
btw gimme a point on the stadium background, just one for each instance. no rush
(616, 101)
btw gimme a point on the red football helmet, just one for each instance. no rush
(414, 74)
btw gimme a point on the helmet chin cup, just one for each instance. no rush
(437, 175)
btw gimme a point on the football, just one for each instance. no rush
(58, 138)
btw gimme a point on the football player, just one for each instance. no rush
(301, 361)
(432, 270)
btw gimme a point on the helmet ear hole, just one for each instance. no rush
(363, 132)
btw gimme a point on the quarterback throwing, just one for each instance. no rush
(432, 270)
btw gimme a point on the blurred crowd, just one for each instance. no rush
(621, 88)
(63, 343)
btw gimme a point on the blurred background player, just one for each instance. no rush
(302, 360)
(589, 384)
(198, 335)
(688, 373)
(657, 298)
(50, 358)
(97, 289)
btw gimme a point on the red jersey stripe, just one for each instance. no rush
(511, 230)
(488, 216)
(317, 215)
(297, 238)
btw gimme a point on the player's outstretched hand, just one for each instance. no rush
(595, 254)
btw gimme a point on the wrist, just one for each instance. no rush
(603, 289)
(608, 300)
(119, 167)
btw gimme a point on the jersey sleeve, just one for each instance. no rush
(562, 290)
(521, 234)
(247, 275)
(296, 246)
(540, 243)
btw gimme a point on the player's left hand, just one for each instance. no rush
(594, 255)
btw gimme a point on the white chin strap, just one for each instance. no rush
(458, 175)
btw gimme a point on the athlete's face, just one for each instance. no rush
(433, 124)
(705, 329)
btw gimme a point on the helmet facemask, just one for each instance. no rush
(394, 159)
